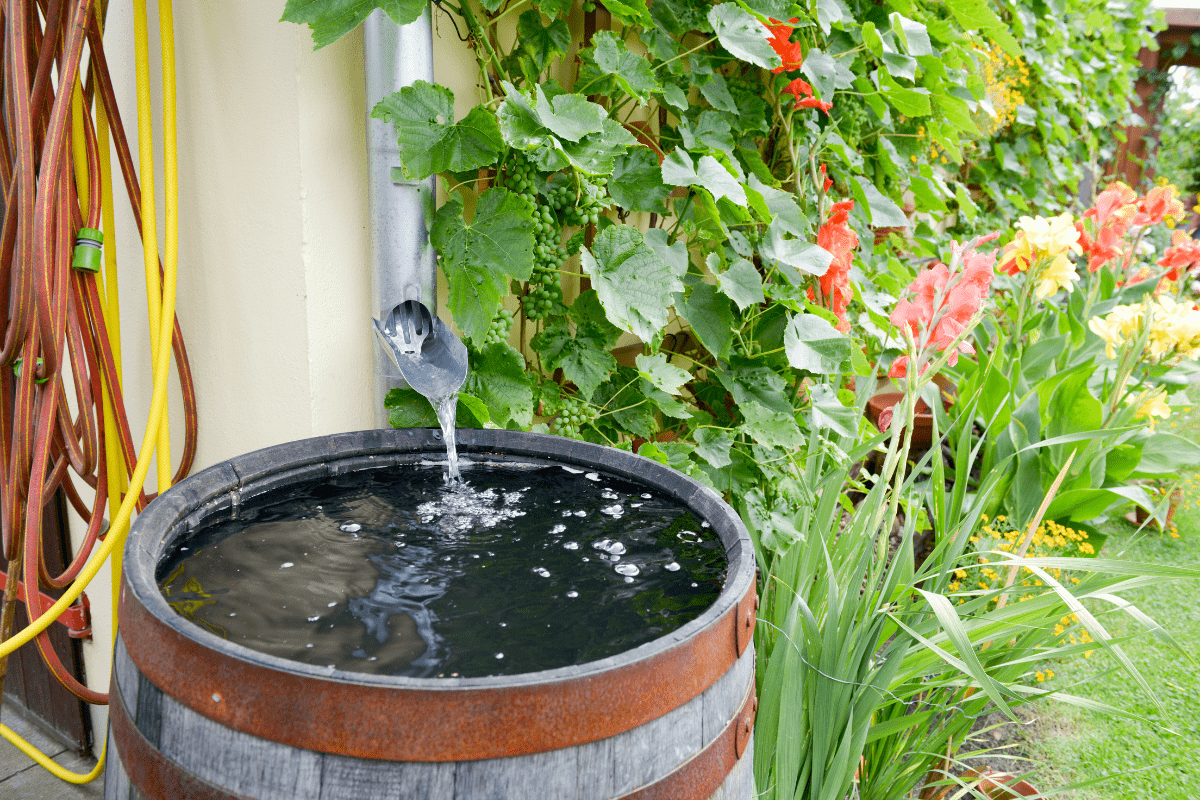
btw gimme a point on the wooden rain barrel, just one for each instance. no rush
(193, 716)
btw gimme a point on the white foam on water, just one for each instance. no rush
(571, 545)
(461, 508)
(615, 510)
(350, 527)
(545, 573)
(571, 470)
(592, 476)
(558, 528)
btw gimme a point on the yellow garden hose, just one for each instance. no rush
(162, 315)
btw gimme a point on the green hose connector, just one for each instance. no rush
(16, 368)
(87, 250)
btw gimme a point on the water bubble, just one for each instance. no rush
(572, 593)
(613, 510)
(672, 567)
(401, 544)
(503, 624)
(499, 655)
(636, 505)
(628, 579)
(545, 573)
(704, 524)
(585, 558)
(566, 513)
(571, 545)
(350, 527)
(474, 555)
(233, 613)
(593, 476)
(610, 547)
(183, 548)
(609, 494)
(694, 585)
(373, 658)
(558, 528)
(627, 569)
(581, 513)
(310, 644)
(571, 470)
(314, 619)
(286, 564)
(331, 605)
(646, 495)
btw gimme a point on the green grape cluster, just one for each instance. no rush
(573, 414)
(500, 327)
(578, 208)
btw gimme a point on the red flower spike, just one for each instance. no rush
(780, 41)
(799, 88)
(943, 304)
(827, 180)
(837, 237)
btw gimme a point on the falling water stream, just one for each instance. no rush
(447, 409)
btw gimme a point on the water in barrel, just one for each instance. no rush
(511, 569)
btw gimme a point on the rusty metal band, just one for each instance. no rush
(155, 776)
(699, 777)
(444, 724)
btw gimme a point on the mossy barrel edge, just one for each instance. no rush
(197, 716)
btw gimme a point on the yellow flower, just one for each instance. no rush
(1121, 324)
(1086, 547)
(1152, 406)
(1040, 676)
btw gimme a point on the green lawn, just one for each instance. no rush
(1072, 745)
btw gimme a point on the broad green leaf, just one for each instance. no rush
(909, 102)
(760, 385)
(584, 358)
(498, 378)
(957, 112)
(926, 196)
(632, 12)
(675, 97)
(912, 34)
(884, 213)
(596, 154)
(709, 174)
(742, 284)
(813, 345)
(771, 428)
(715, 90)
(661, 373)
(743, 35)
(710, 316)
(520, 124)
(476, 258)
(675, 256)
(591, 321)
(634, 284)
(632, 72)
(636, 182)
(798, 255)
(965, 204)
(409, 409)
(1165, 454)
(828, 12)
(713, 446)
(569, 116)
(829, 412)
(330, 20)
(871, 39)
(900, 66)
(978, 15)
(428, 146)
(822, 71)
(542, 43)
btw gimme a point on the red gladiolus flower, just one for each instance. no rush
(826, 178)
(943, 304)
(1158, 204)
(803, 92)
(780, 41)
(885, 416)
(837, 237)
(1114, 210)
(1182, 256)
(812, 102)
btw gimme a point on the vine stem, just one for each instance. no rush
(700, 46)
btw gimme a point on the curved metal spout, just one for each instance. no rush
(429, 356)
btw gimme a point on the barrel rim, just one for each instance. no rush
(170, 510)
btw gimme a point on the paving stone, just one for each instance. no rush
(22, 779)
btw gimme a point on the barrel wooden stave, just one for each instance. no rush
(245, 765)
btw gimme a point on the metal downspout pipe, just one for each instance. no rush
(403, 262)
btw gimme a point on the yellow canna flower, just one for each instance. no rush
(1151, 406)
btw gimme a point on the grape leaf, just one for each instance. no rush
(632, 72)
(884, 212)
(822, 70)
(583, 358)
(636, 182)
(520, 125)
(477, 257)
(829, 412)
(978, 15)
(813, 345)
(428, 146)
(499, 379)
(796, 255)
(330, 20)
(569, 116)
(742, 284)
(909, 102)
(674, 97)
(678, 170)
(633, 283)
(589, 317)
(715, 90)
(913, 35)
(743, 35)
(713, 446)
(710, 317)
(408, 408)
(542, 43)
(771, 428)
(661, 373)
(596, 154)
(760, 385)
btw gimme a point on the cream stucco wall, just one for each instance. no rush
(274, 283)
